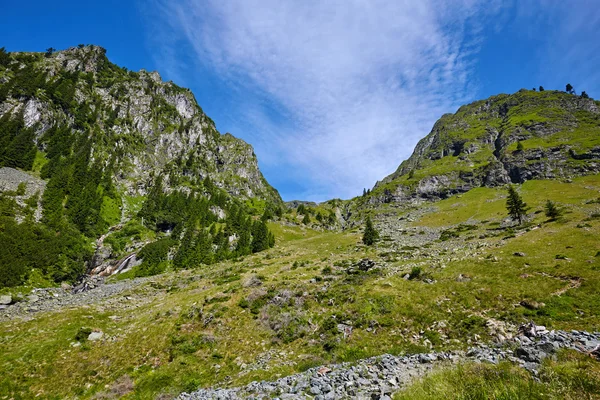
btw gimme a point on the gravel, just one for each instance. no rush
(379, 377)
(53, 299)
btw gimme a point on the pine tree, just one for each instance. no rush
(370, 235)
(306, 219)
(515, 205)
(551, 210)
(569, 89)
(260, 236)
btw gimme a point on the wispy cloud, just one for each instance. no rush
(346, 87)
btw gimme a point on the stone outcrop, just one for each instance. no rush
(137, 123)
(479, 146)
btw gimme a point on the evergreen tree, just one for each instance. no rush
(584, 95)
(569, 88)
(541, 89)
(370, 235)
(4, 57)
(515, 205)
(301, 209)
(243, 246)
(551, 210)
(260, 236)
(306, 219)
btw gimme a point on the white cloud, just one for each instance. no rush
(359, 81)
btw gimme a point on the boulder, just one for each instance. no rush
(5, 299)
(95, 336)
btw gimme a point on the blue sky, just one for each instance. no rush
(332, 94)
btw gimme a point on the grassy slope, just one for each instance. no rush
(573, 376)
(208, 326)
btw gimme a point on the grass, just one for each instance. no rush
(481, 204)
(572, 376)
(276, 313)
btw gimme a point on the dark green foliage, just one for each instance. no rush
(306, 219)
(370, 235)
(58, 253)
(541, 89)
(154, 257)
(569, 88)
(301, 209)
(552, 211)
(63, 90)
(17, 149)
(262, 239)
(519, 146)
(515, 205)
(4, 57)
(455, 232)
(415, 273)
(204, 239)
(584, 95)
(26, 82)
(76, 189)
(82, 334)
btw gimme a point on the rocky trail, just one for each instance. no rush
(379, 377)
(90, 291)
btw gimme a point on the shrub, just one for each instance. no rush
(82, 334)
(415, 273)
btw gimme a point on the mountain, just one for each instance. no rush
(116, 155)
(136, 123)
(228, 313)
(503, 139)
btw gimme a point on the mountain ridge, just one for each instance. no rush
(166, 123)
(477, 145)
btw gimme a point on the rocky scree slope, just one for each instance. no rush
(379, 377)
(138, 125)
(503, 139)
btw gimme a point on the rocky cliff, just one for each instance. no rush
(503, 139)
(137, 124)
(93, 153)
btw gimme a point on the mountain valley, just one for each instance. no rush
(144, 255)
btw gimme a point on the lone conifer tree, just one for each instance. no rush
(370, 235)
(569, 88)
(515, 205)
(552, 211)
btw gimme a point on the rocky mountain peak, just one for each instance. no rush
(499, 140)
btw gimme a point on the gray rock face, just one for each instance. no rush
(5, 299)
(379, 377)
(149, 127)
(11, 179)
